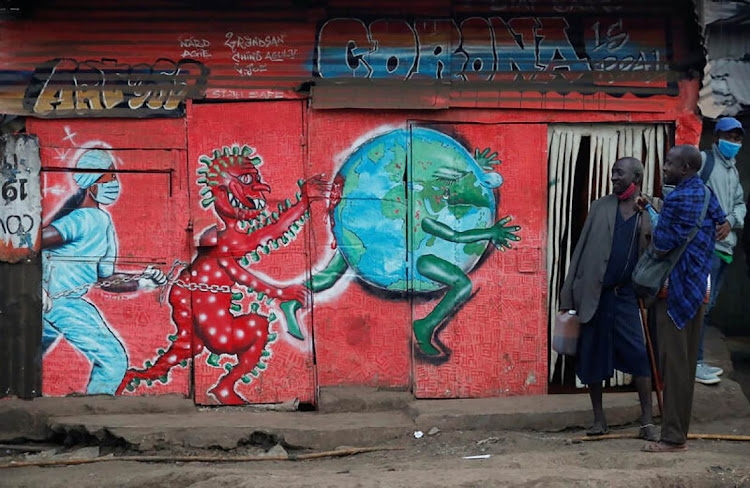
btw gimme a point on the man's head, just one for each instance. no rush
(682, 162)
(728, 135)
(626, 172)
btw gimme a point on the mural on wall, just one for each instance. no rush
(221, 275)
(80, 251)
(453, 207)
(113, 223)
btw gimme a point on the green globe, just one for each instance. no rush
(443, 182)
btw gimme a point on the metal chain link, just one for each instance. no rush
(171, 280)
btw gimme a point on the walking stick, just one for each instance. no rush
(654, 371)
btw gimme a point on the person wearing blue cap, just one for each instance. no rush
(80, 248)
(719, 172)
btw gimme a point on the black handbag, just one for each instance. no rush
(652, 270)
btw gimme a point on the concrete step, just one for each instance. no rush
(337, 399)
(228, 430)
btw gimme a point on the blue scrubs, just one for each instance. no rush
(88, 254)
(613, 339)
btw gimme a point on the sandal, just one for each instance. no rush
(595, 431)
(662, 446)
(648, 432)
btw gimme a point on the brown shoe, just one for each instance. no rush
(662, 446)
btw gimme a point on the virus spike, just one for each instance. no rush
(136, 381)
(285, 240)
(294, 227)
(265, 353)
(271, 317)
(246, 379)
(160, 352)
(281, 208)
(254, 256)
(269, 301)
(298, 195)
(202, 171)
(237, 296)
(272, 336)
(202, 181)
(261, 295)
(235, 150)
(261, 366)
(206, 202)
(216, 168)
(130, 387)
(205, 190)
(256, 161)
(211, 174)
(217, 154)
(228, 367)
(226, 151)
(213, 360)
(288, 203)
(254, 307)
(165, 379)
(300, 182)
(247, 150)
(254, 372)
(266, 249)
(205, 160)
(274, 245)
(148, 364)
(183, 363)
(213, 183)
(244, 261)
(236, 308)
(149, 382)
(274, 216)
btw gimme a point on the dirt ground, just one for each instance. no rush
(518, 459)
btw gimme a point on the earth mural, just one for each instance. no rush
(435, 215)
(447, 185)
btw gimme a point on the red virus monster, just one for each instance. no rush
(220, 276)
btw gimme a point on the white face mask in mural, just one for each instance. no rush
(107, 192)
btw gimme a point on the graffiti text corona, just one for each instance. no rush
(474, 49)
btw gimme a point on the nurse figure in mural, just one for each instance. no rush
(80, 250)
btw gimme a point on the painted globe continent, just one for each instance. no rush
(445, 184)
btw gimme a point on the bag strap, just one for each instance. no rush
(706, 202)
(708, 166)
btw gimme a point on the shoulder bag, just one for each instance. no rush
(652, 270)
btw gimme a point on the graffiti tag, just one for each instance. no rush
(479, 49)
(66, 86)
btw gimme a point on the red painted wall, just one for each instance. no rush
(350, 331)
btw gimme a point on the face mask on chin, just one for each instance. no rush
(107, 192)
(728, 149)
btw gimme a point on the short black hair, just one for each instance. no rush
(690, 155)
(635, 164)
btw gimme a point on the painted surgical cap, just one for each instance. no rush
(92, 159)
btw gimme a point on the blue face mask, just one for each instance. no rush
(728, 149)
(108, 192)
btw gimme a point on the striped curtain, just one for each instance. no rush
(607, 143)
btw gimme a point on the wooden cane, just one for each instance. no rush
(654, 370)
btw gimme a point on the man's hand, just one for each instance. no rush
(152, 279)
(502, 234)
(641, 202)
(722, 231)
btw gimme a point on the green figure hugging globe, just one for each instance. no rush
(445, 197)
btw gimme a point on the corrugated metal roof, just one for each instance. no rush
(726, 91)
